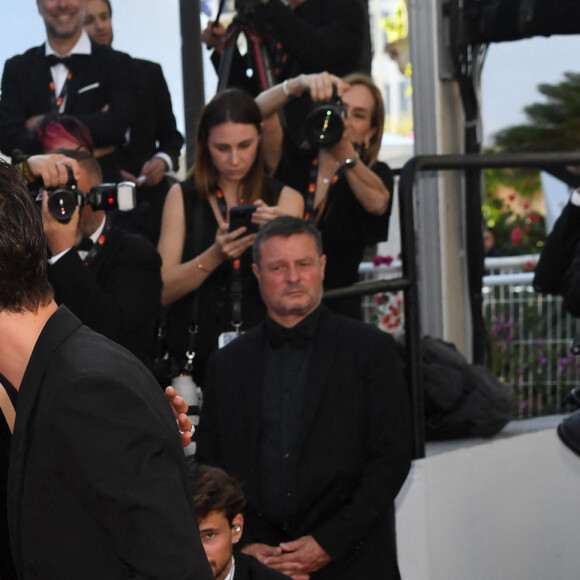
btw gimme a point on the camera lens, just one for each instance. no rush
(62, 204)
(324, 124)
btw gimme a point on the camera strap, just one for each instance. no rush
(97, 246)
(236, 278)
(311, 212)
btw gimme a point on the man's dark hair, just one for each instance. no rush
(24, 284)
(86, 161)
(285, 226)
(213, 490)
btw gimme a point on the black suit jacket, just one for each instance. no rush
(118, 294)
(101, 81)
(97, 483)
(558, 269)
(248, 568)
(154, 128)
(356, 447)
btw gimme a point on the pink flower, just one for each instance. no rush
(516, 236)
(527, 205)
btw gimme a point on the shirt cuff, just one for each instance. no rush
(54, 259)
(165, 158)
(575, 198)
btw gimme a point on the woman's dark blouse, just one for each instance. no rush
(215, 311)
(346, 227)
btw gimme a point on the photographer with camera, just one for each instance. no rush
(308, 36)
(347, 191)
(105, 275)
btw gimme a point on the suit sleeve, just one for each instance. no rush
(13, 111)
(389, 449)
(109, 127)
(558, 253)
(116, 305)
(122, 458)
(169, 139)
(334, 45)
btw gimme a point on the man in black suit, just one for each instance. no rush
(89, 84)
(153, 142)
(309, 411)
(108, 277)
(219, 501)
(97, 485)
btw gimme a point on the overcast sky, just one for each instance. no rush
(151, 30)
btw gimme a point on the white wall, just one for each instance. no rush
(507, 509)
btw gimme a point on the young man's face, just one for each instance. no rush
(98, 22)
(218, 537)
(62, 18)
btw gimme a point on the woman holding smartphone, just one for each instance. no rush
(206, 268)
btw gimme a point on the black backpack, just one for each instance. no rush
(461, 399)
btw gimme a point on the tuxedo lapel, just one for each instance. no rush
(58, 328)
(41, 78)
(322, 360)
(251, 394)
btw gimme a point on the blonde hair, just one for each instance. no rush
(371, 153)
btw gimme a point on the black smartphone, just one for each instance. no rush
(241, 215)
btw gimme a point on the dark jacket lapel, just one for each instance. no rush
(58, 328)
(252, 390)
(322, 360)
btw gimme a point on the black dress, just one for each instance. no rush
(215, 305)
(346, 227)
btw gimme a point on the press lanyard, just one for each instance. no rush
(57, 101)
(236, 284)
(93, 252)
(310, 212)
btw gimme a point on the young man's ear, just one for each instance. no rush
(237, 528)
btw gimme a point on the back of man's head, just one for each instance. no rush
(24, 284)
(213, 490)
(285, 226)
(87, 163)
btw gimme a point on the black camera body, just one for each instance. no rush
(62, 201)
(324, 124)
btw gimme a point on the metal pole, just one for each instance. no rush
(192, 66)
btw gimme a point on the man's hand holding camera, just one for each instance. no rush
(54, 170)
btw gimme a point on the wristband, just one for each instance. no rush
(285, 89)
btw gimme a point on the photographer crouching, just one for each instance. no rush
(108, 277)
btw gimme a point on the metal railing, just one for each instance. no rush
(407, 282)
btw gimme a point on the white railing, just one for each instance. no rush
(529, 334)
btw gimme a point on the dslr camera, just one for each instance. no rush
(62, 201)
(324, 123)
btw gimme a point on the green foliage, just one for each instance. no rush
(397, 26)
(553, 125)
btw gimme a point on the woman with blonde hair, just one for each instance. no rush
(347, 191)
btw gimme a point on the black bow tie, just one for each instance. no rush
(297, 335)
(85, 245)
(68, 61)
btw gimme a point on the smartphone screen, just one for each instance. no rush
(241, 215)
